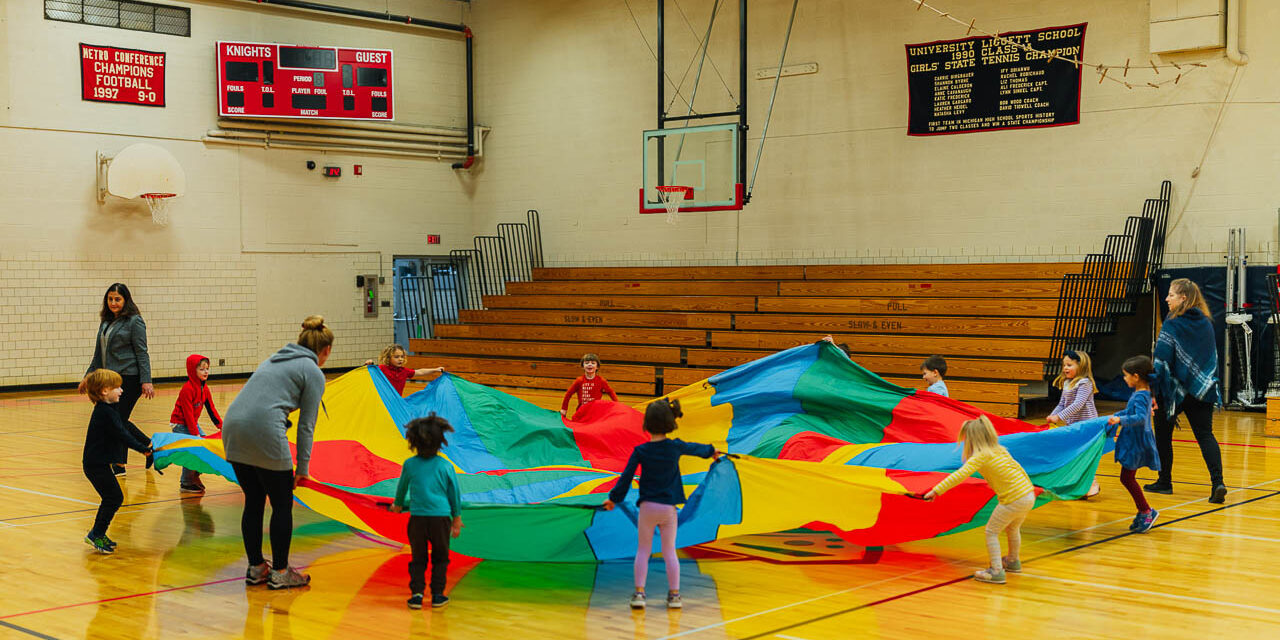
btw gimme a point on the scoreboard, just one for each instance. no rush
(292, 81)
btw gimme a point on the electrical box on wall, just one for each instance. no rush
(369, 294)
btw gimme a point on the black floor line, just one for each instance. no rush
(964, 578)
(25, 630)
(127, 504)
(1197, 484)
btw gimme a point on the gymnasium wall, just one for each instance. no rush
(257, 243)
(568, 86)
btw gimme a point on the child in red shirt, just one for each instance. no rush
(589, 387)
(391, 362)
(192, 400)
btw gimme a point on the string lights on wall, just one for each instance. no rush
(1118, 73)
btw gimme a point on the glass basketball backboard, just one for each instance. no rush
(705, 158)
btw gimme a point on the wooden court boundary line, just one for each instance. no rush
(122, 507)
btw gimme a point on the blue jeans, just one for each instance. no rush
(189, 478)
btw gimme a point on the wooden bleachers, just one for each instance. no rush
(659, 328)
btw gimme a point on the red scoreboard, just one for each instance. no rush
(292, 81)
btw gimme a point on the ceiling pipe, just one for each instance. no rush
(1234, 23)
(264, 144)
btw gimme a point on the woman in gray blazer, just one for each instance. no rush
(121, 346)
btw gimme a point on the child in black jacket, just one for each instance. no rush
(105, 442)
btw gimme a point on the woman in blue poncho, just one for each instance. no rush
(1186, 363)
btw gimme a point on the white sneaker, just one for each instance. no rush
(637, 600)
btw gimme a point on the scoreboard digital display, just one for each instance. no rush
(291, 81)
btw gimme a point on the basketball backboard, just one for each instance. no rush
(706, 158)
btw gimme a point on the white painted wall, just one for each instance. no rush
(567, 86)
(572, 84)
(257, 243)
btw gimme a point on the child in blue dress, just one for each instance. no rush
(1135, 439)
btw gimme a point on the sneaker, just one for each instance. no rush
(1148, 519)
(110, 543)
(257, 573)
(988, 576)
(287, 578)
(1012, 566)
(117, 469)
(415, 602)
(637, 600)
(1159, 487)
(1219, 494)
(99, 543)
(674, 601)
(1137, 520)
(189, 488)
(439, 600)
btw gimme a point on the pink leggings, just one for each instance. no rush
(662, 516)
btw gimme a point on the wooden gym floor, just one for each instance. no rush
(179, 569)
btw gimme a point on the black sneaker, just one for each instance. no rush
(415, 602)
(110, 543)
(438, 601)
(99, 544)
(1133, 526)
(1159, 487)
(1219, 494)
(117, 469)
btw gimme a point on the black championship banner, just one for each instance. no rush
(980, 84)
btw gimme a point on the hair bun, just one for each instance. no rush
(313, 323)
(675, 408)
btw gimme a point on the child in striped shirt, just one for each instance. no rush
(1076, 404)
(983, 454)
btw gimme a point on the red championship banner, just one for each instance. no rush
(129, 76)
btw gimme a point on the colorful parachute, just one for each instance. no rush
(821, 443)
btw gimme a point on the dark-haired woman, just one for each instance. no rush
(1186, 366)
(121, 346)
(257, 446)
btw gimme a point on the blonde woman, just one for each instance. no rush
(1186, 364)
(1014, 491)
(254, 436)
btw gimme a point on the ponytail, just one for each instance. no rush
(315, 336)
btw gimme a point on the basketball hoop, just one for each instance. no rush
(668, 194)
(158, 203)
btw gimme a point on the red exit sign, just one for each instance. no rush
(294, 81)
(433, 239)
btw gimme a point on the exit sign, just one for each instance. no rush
(433, 239)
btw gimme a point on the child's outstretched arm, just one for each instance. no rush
(213, 413)
(696, 449)
(425, 371)
(619, 492)
(969, 468)
(573, 389)
(455, 504)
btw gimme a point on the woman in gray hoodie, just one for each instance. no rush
(253, 435)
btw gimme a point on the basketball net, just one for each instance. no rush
(158, 203)
(672, 197)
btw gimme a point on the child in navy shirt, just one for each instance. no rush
(661, 489)
(434, 507)
(108, 438)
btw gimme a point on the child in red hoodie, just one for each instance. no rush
(192, 399)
